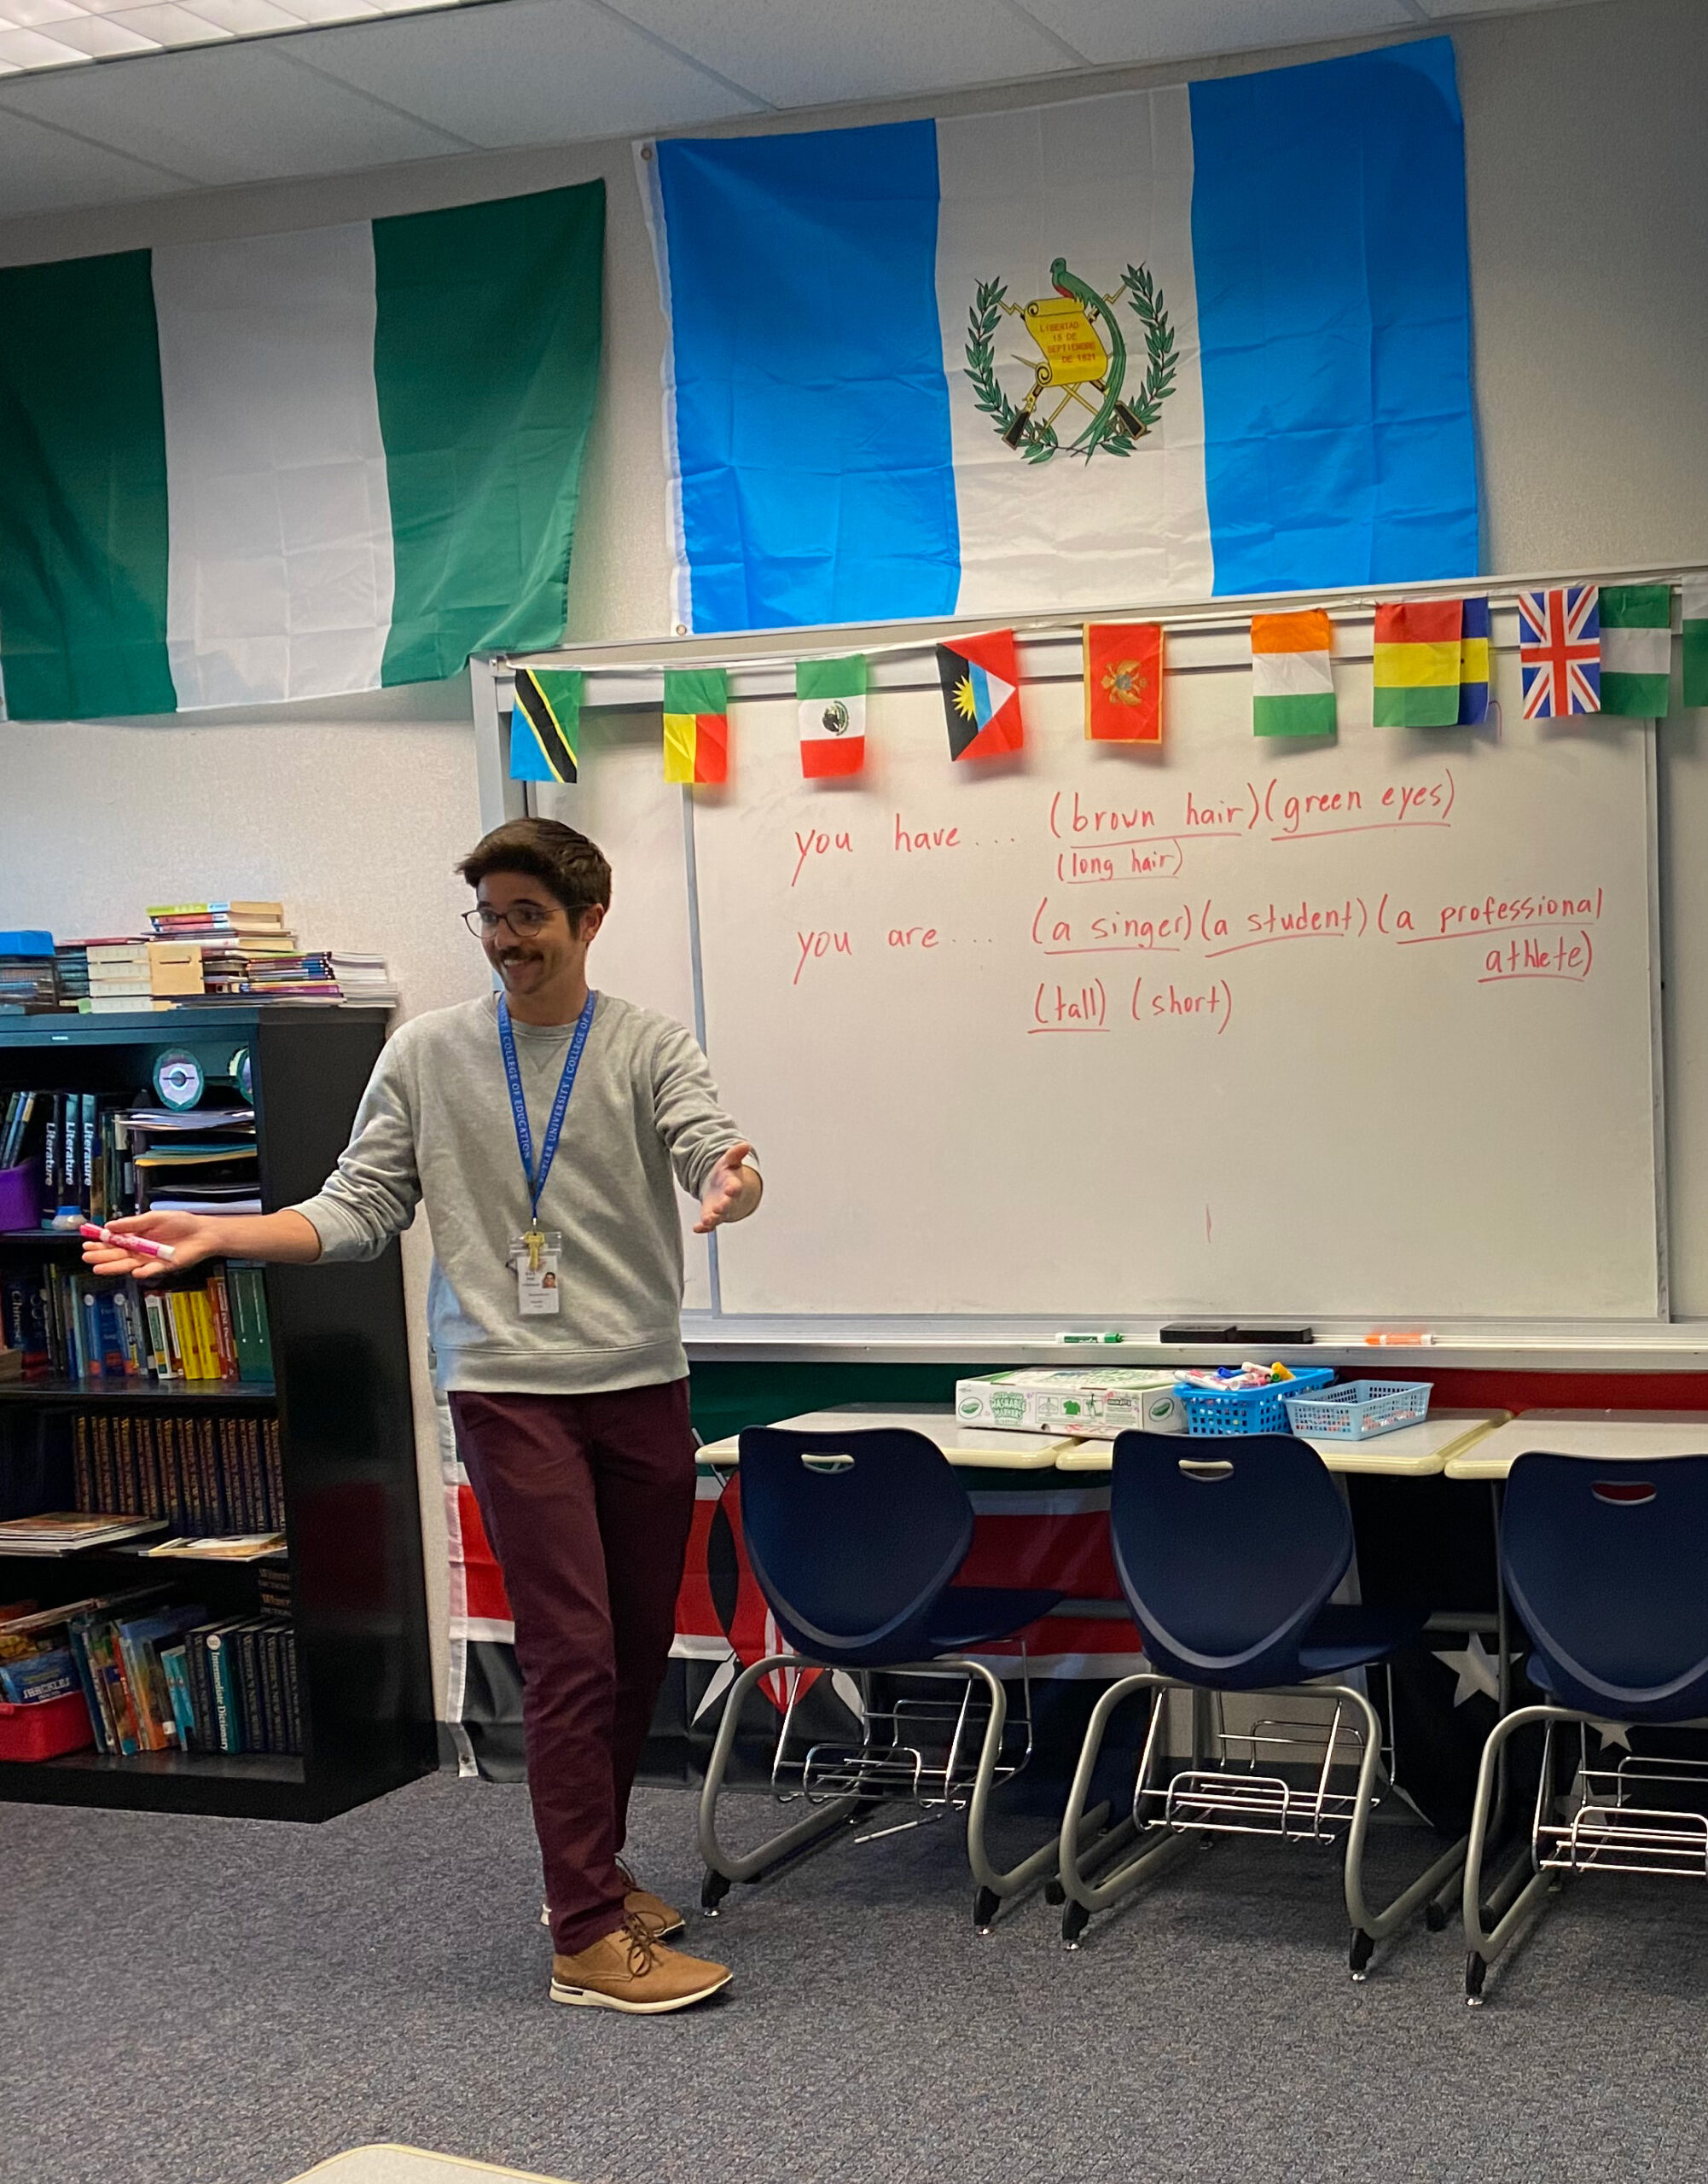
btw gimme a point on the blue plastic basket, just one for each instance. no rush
(1357, 1410)
(1246, 1410)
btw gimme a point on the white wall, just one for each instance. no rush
(1589, 201)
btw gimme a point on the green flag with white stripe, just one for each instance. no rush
(1693, 645)
(1636, 649)
(293, 465)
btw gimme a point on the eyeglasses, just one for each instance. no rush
(525, 919)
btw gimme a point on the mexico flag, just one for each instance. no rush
(832, 697)
(293, 465)
(1293, 687)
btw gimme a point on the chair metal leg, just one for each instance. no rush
(722, 1864)
(1522, 1898)
(993, 1887)
(1369, 1927)
(1080, 1858)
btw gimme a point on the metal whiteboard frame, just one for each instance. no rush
(1210, 638)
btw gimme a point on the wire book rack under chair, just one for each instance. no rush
(1227, 1557)
(1603, 1563)
(855, 1540)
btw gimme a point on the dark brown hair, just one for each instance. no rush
(573, 868)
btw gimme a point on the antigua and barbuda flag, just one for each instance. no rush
(1474, 663)
(1559, 651)
(696, 724)
(1197, 340)
(832, 697)
(981, 694)
(545, 727)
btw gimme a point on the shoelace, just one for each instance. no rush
(643, 1954)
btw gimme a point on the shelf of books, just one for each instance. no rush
(212, 1596)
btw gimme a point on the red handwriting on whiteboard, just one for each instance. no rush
(1307, 815)
(1111, 932)
(1541, 955)
(814, 842)
(1158, 860)
(1167, 1002)
(913, 936)
(1071, 818)
(1070, 1008)
(1222, 814)
(1304, 919)
(913, 839)
(816, 946)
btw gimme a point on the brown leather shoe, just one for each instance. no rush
(627, 1969)
(660, 1919)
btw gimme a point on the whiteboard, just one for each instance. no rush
(1239, 1027)
(644, 950)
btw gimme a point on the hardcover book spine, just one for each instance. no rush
(228, 1727)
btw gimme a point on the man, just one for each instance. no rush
(540, 1128)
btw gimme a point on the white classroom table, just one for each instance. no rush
(982, 1448)
(1410, 1452)
(1622, 1436)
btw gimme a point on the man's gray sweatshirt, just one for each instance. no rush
(435, 1125)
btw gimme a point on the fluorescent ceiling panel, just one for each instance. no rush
(43, 34)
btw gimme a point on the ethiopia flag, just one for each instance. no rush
(1293, 687)
(545, 724)
(1636, 650)
(981, 694)
(1474, 663)
(696, 724)
(1417, 663)
(1124, 681)
(832, 697)
(293, 465)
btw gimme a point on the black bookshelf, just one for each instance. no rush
(341, 1395)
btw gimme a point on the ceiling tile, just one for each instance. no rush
(42, 172)
(819, 52)
(239, 113)
(1133, 32)
(529, 71)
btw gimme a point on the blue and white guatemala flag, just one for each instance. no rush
(1160, 344)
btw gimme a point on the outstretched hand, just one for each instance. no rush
(731, 1193)
(191, 1236)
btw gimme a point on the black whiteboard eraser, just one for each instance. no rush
(1195, 1333)
(1267, 1337)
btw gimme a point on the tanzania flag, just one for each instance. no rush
(1417, 663)
(696, 724)
(545, 727)
(1694, 602)
(1293, 689)
(832, 697)
(981, 694)
(1474, 663)
(1636, 650)
(1124, 681)
(293, 465)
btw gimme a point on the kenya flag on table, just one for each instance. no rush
(293, 465)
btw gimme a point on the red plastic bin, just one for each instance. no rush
(46, 1730)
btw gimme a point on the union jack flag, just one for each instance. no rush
(1559, 651)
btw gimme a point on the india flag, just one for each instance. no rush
(1636, 650)
(293, 465)
(1292, 685)
(1158, 345)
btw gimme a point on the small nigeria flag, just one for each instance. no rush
(545, 724)
(832, 697)
(696, 724)
(1417, 653)
(1636, 650)
(1694, 599)
(1293, 690)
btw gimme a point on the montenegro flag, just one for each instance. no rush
(981, 696)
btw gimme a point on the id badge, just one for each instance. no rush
(538, 1295)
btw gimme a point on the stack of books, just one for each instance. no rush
(29, 976)
(70, 1532)
(120, 978)
(209, 1477)
(72, 958)
(70, 1325)
(193, 1160)
(362, 979)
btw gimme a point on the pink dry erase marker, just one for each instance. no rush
(1396, 1340)
(146, 1245)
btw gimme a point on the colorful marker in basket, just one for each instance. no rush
(144, 1245)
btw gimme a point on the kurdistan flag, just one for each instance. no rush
(293, 465)
(1636, 650)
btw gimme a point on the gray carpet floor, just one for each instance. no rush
(190, 2001)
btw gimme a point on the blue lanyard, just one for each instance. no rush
(560, 1106)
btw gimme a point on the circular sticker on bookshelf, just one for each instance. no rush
(178, 1078)
(242, 1071)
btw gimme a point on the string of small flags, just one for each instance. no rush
(1582, 648)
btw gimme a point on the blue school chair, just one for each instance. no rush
(1227, 1552)
(1603, 1563)
(855, 1540)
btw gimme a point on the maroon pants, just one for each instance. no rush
(587, 1502)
